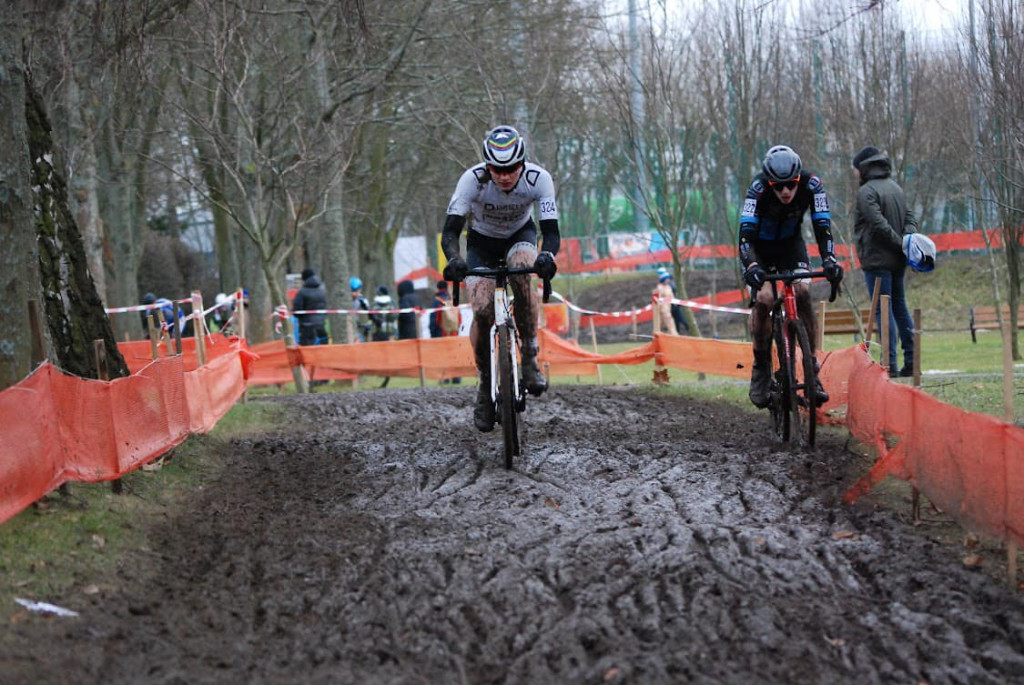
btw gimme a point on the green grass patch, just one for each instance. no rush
(73, 542)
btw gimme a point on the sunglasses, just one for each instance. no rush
(504, 169)
(788, 185)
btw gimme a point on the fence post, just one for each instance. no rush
(593, 341)
(198, 327)
(875, 294)
(885, 332)
(240, 312)
(1008, 415)
(298, 372)
(99, 350)
(154, 335)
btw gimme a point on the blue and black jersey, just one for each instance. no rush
(767, 223)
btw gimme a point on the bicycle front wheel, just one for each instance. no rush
(781, 383)
(809, 387)
(507, 395)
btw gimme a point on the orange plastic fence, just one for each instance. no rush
(56, 428)
(970, 465)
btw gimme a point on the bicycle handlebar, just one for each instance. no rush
(790, 276)
(486, 272)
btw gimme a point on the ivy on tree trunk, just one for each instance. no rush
(73, 309)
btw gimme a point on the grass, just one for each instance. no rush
(70, 543)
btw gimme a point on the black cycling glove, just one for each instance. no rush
(754, 276)
(833, 272)
(455, 270)
(545, 266)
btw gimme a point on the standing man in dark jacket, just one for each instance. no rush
(407, 320)
(882, 219)
(312, 295)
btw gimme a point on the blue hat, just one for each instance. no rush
(355, 283)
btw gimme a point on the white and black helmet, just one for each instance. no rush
(920, 252)
(781, 164)
(504, 147)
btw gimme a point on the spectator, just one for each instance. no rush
(360, 302)
(311, 296)
(444, 321)
(407, 320)
(663, 294)
(148, 298)
(384, 322)
(222, 315)
(678, 315)
(882, 219)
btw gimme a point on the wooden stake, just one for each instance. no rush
(886, 362)
(199, 327)
(1007, 372)
(240, 312)
(917, 348)
(154, 335)
(875, 294)
(99, 350)
(593, 342)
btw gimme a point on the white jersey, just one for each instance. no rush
(499, 214)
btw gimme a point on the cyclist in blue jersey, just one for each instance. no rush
(770, 239)
(500, 195)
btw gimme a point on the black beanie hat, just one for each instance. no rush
(308, 274)
(869, 151)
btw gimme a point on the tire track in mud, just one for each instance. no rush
(643, 539)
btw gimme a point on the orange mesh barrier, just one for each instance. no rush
(970, 465)
(717, 357)
(88, 430)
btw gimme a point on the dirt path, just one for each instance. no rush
(645, 539)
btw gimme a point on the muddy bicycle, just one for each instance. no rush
(508, 392)
(794, 379)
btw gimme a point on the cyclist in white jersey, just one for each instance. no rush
(500, 194)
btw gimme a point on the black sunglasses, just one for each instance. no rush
(788, 185)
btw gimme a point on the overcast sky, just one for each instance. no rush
(933, 15)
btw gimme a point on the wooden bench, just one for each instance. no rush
(985, 319)
(839, 321)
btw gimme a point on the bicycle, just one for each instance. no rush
(790, 393)
(507, 389)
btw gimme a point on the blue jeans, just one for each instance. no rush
(899, 316)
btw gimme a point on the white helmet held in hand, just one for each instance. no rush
(920, 251)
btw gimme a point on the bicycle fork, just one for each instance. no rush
(503, 316)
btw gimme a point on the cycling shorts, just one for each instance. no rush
(482, 250)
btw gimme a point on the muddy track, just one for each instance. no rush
(643, 539)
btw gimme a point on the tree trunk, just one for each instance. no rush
(19, 275)
(84, 187)
(74, 310)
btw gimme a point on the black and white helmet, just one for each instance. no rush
(504, 147)
(781, 164)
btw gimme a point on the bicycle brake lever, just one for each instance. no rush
(547, 290)
(455, 293)
(835, 291)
